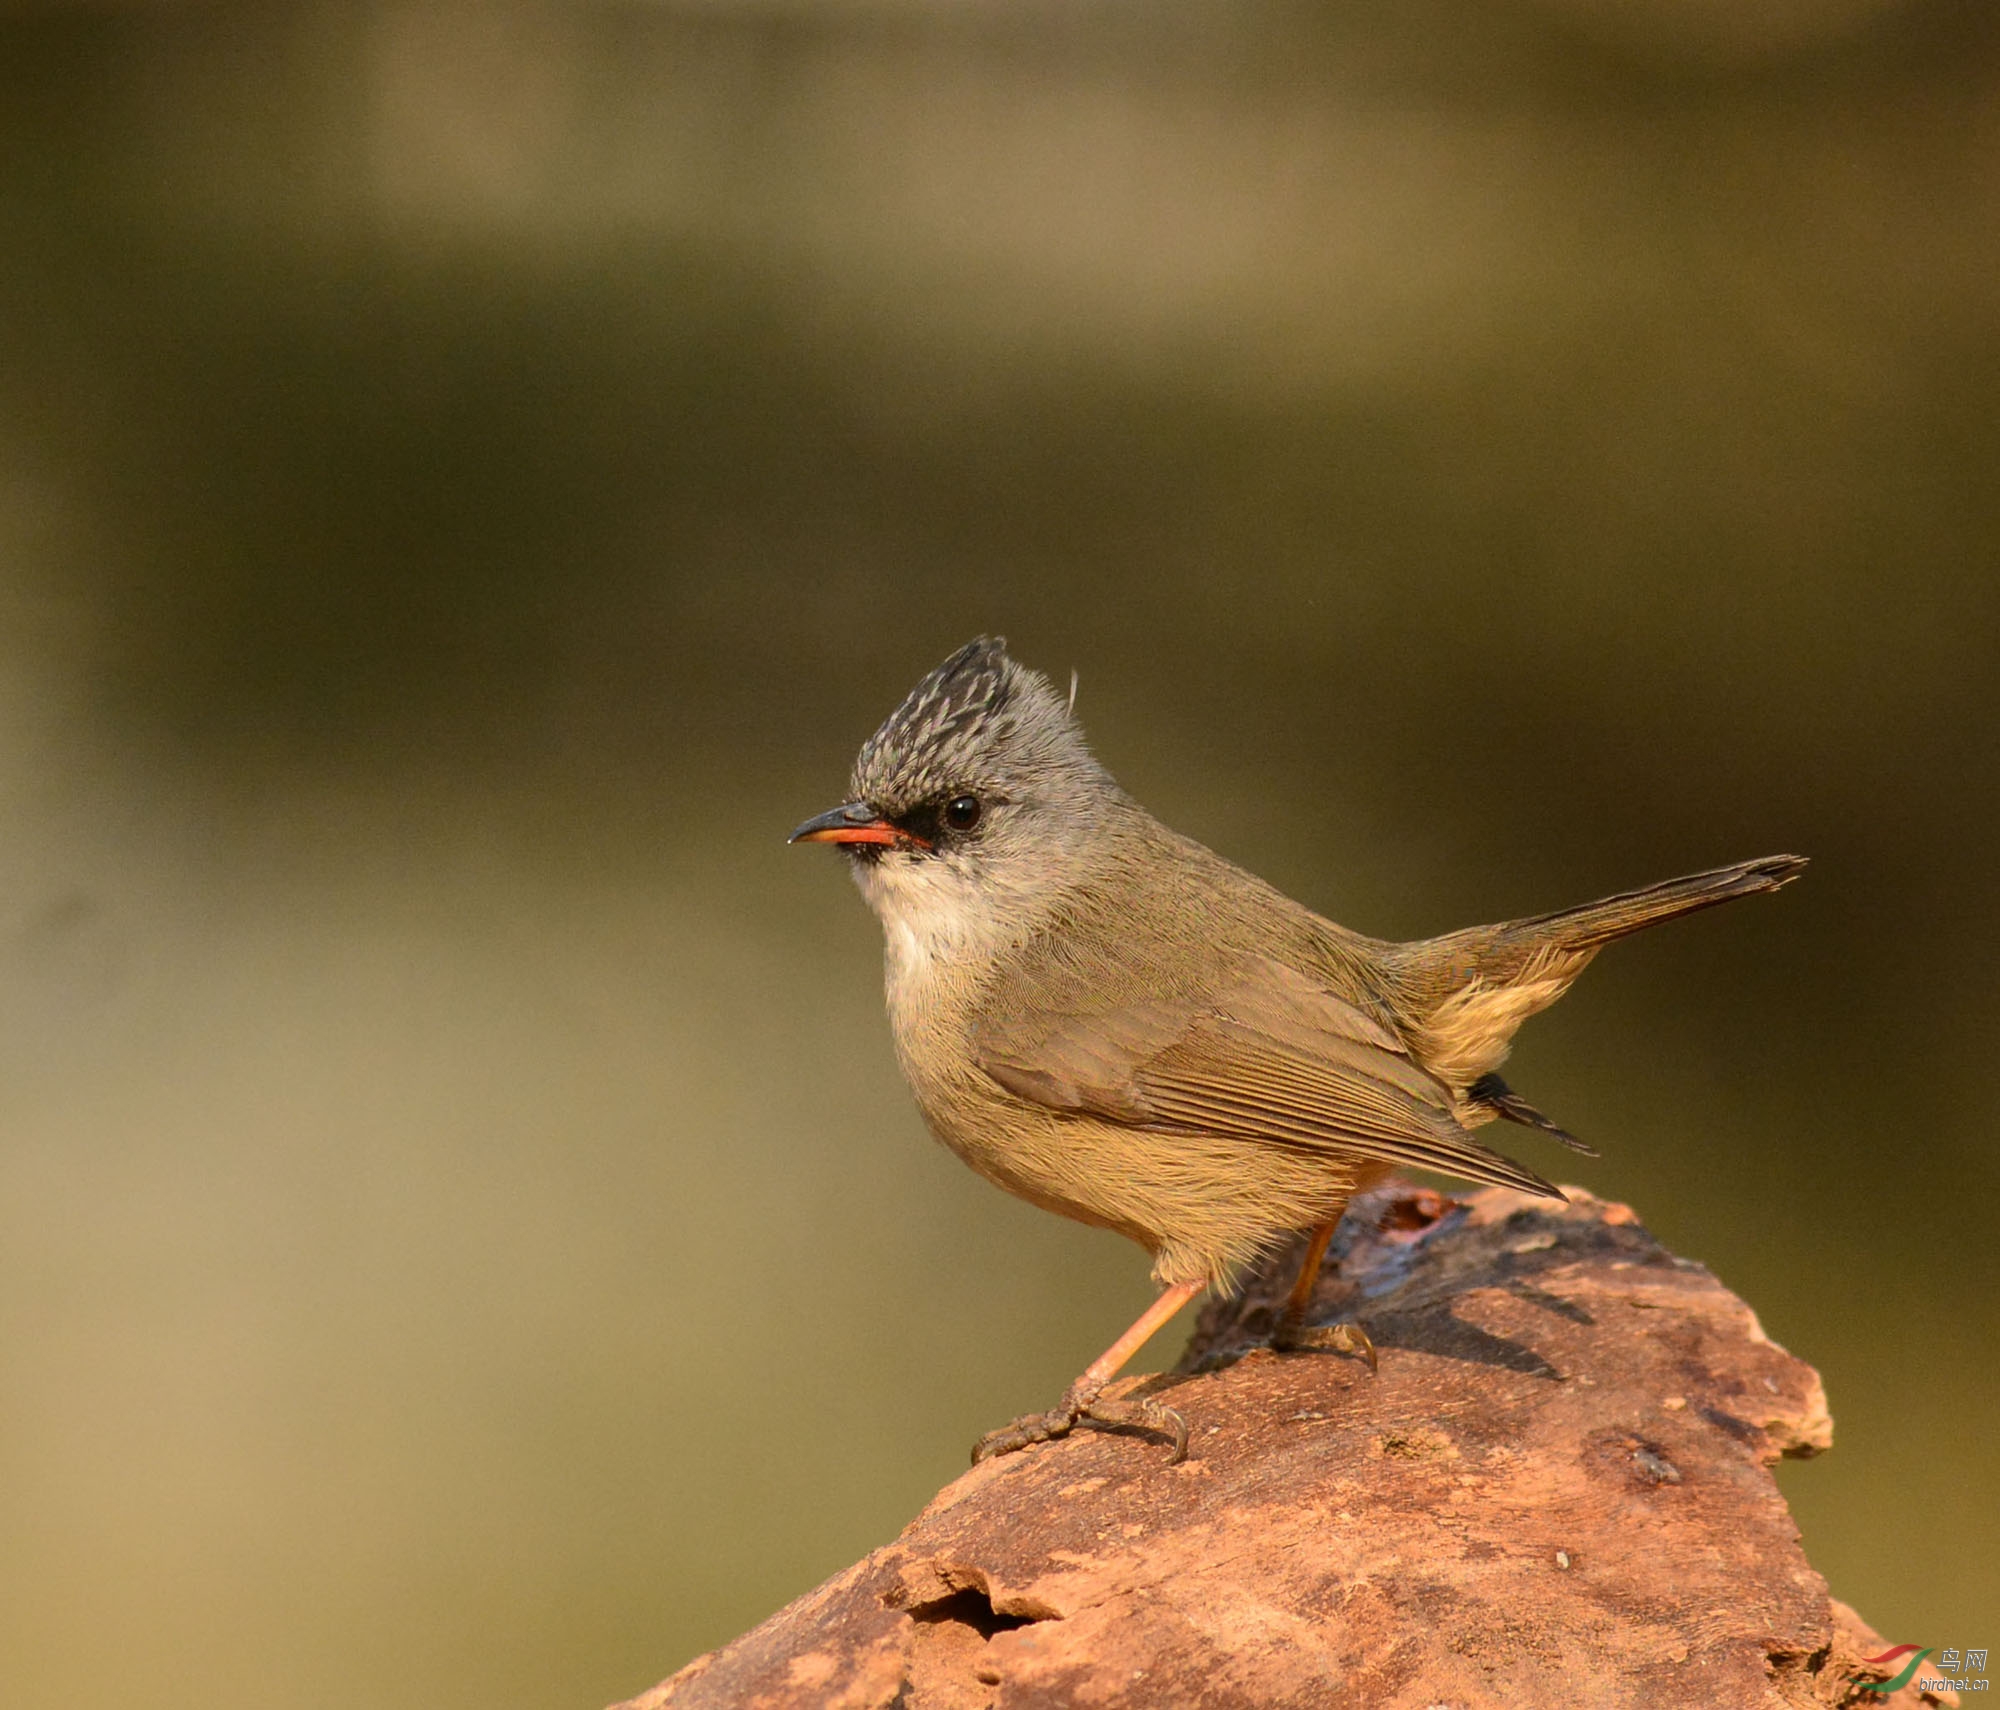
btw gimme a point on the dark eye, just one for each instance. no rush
(961, 813)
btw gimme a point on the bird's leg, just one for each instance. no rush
(1292, 1321)
(1293, 1334)
(1084, 1399)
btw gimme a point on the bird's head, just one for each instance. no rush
(977, 793)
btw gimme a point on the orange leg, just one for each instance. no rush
(1111, 1362)
(1082, 1400)
(1299, 1302)
(1293, 1334)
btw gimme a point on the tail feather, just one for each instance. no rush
(1598, 923)
(1464, 994)
(1497, 1096)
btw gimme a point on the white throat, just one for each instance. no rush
(933, 919)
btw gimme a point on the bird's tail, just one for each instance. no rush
(1593, 924)
(1464, 994)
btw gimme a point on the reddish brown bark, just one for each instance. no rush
(1556, 1491)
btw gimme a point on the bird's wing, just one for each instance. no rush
(1267, 1055)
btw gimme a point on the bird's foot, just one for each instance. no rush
(1142, 1413)
(1296, 1338)
(1139, 1413)
(1029, 1428)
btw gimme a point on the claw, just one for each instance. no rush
(1346, 1338)
(1139, 1413)
(1143, 1414)
(1029, 1428)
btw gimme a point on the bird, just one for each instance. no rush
(1121, 1026)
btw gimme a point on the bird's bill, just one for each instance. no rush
(853, 822)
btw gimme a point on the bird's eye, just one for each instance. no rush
(961, 813)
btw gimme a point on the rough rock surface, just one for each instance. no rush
(1556, 1490)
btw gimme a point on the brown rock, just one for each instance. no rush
(1555, 1491)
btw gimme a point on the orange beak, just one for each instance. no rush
(854, 822)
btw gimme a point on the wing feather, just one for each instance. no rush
(1268, 1056)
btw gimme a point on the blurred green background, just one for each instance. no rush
(469, 479)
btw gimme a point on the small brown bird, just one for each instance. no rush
(1117, 1024)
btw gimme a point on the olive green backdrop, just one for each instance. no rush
(470, 478)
